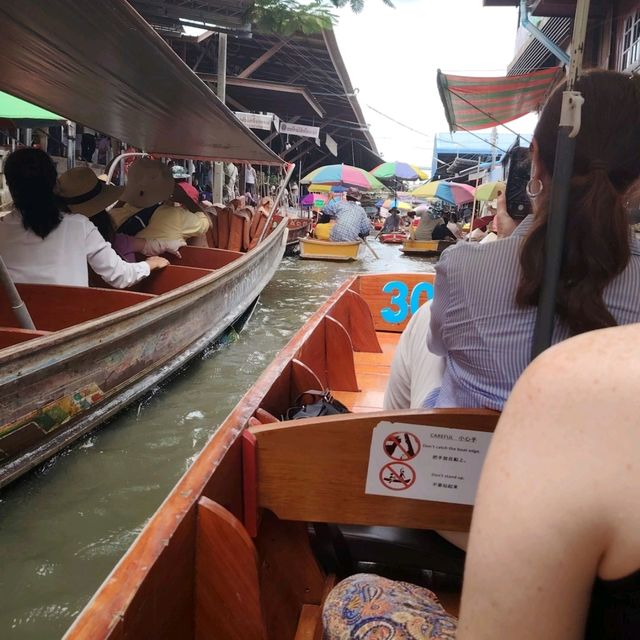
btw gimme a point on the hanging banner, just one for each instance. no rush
(255, 120)
(276, 123)
(332, 145)
(299, 130)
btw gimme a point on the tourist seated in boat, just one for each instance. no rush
(41, 245)
(485, 302)
(392, 222)
(326, 222)
(565, 561)
(155, 208)
(424, 230)
(182, 177)
(442, 231)
(79, 191)
(352, 222)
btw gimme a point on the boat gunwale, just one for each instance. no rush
(183, 496)
(82, 329)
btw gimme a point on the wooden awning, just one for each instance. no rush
(478, 103)
(100, 64)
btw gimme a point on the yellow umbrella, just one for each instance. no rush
(427, 190)
(489, 191)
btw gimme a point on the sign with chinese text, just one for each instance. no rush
(255, 120)
(426, 463)
(299, 130)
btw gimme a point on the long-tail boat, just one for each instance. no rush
(93, 350)
(272, 512)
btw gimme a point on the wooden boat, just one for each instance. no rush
(428, 248)
(95, 350)
(232, 553)
(396, 237)
(312, 249)
(297, 228)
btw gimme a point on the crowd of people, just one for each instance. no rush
(554, 548)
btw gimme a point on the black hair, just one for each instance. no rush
(31, 176)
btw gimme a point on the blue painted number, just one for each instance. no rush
(401, 302)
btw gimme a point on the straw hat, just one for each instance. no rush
(148, 182)
(82, 192)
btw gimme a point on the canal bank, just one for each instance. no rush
(65, 526)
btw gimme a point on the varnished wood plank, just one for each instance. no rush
(309, 620)
(227, 584)
(329, 486)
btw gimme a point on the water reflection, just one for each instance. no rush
(64, 526)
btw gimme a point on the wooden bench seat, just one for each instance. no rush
(10, 336)
(54, 307)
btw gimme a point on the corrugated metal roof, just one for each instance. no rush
(100, 64)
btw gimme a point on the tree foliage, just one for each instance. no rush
(286, 17)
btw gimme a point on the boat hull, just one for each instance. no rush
(426, 248)
(297, 229)
(393, 238)
(311, 249)
(58, 387)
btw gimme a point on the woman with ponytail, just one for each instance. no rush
(39, 244)
(486, 296)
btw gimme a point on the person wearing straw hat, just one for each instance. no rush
(41, 245)
(155, 208)
(78, 191)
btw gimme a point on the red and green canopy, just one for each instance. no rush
(479, 103)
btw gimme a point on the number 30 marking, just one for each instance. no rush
(404, 302)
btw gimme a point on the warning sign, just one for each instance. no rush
(397, 476)
(402, 445)
(426, 463)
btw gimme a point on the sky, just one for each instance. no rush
(392, 56)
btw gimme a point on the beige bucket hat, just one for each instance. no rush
(82, 192)
(148, 182)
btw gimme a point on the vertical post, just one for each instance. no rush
(221, 91)
(18, 307)
(561, 186)
(71, 144)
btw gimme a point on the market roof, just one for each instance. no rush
(75, 58)
(286, 64)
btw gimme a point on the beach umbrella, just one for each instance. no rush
(398, 204)
(399, 171)
(489, 191)
(343, 175)
(325, 188)
(451, 192)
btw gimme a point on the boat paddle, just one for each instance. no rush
(366, 244)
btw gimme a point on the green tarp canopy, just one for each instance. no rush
(25, 114)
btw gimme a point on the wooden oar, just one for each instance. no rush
(366, 244)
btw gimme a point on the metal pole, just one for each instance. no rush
(560, 186)
(18, 307)
(283, 186)
(221, 91)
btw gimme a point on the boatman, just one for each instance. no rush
(352, 222)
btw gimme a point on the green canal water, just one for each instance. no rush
(64, 526)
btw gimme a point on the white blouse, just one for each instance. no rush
(62, 257)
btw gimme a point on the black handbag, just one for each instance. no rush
(322, 404)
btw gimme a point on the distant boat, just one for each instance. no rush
(312, 249)
(427, 248)
(395, 237)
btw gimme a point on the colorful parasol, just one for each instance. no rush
(398, 204)
(399, 171)
(489, 191)
(451, 192)
(343, 175)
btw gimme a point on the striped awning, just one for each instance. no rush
(479, 103)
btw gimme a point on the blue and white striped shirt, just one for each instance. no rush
(484, 335)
